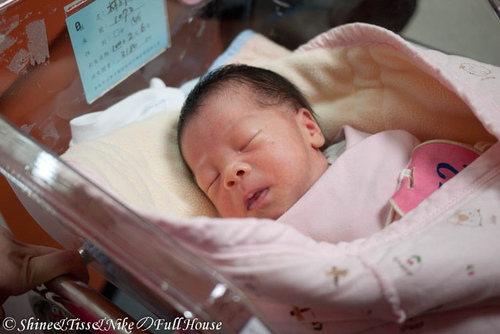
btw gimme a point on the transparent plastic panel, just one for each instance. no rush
(164, 276)
(40, 85)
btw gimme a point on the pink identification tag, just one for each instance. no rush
(432, 164)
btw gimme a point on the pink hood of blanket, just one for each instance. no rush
(350, 200)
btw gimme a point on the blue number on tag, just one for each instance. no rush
(444, 165)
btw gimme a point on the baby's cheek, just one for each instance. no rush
(227, 208)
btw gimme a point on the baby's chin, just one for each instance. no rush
(269, 213)
(273, 216)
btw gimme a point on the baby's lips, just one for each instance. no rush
(254, 198)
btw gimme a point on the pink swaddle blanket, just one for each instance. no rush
(351, 200)
(435, 270)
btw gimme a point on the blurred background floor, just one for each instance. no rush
(463, 27)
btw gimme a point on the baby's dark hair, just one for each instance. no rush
(271, 88)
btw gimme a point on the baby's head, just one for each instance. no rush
(251, 141)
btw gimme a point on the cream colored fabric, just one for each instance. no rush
(142, 163)
(370, 87)
(375, 88)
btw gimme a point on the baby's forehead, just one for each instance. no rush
(233, 88)
(236, 101)
(237, 95)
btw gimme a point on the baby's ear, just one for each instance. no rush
(311, 128)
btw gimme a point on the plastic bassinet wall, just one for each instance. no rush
(41, 91)
(38, 60)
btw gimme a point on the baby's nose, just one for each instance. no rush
(234, 174)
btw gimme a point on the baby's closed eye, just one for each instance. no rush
(215, 179)
(206, 180)
(249, 142)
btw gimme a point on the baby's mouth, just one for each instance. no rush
(254, 200)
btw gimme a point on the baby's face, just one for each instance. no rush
(252, 161)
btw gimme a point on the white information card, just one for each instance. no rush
(113, 38)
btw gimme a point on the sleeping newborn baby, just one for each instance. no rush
(251, 141)
(254, 147)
